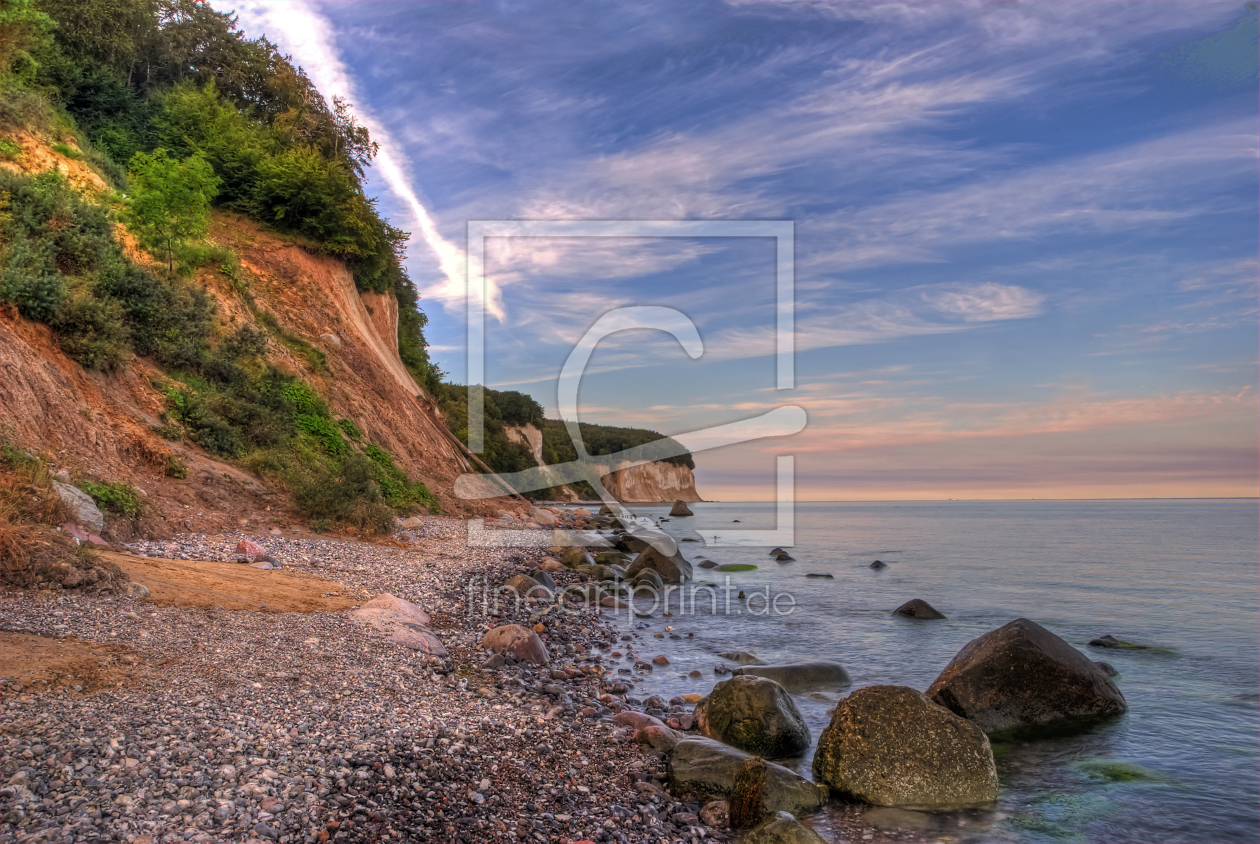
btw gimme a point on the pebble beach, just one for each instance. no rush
(197, 723)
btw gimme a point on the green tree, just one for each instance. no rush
(23, 30)
(170, 199)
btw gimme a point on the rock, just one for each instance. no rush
(742, 657)
(805, 675)
(550, 564)
(262, 564)
(1108, 669)
(544, 579)
(660, 659)
(707, 564)
(332, 340)
(680, 508)
(917, 609)
(782, 829)
(404, 622)
(613, 603)
(672, 569)
(610, 558)
(1021, 679)
(892, 746)
(650, 579)
(517, 641)
(138, 590)
(387, 603)
(823, 576)
(81, 505)
(708, 768)
(494, 662)
(411, 523)
(774, 552)
(784, 558)
(524, 586)
(879, 564)
(581, 513)
(250, 549)
(1105, 641)
(754, 714)
(659, 739)
(544, 517)
(572, 556)
(716, 813)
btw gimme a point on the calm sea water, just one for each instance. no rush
(1179, 575)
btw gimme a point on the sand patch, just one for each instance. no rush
(232, 586)
(77, 665)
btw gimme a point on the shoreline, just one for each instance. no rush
(217, 725)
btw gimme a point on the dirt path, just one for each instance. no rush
(231, 586)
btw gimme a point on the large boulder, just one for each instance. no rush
(1021, 679)
(805, 675)
(891, 746)
(742, 657)
(517, 641)
(571, 556)
(680, 508)
(672, 569)
(82, 506)
(754, 714)
(402, 621)
(708, 768)
(782, 829)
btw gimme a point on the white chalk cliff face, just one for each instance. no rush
(635, 484)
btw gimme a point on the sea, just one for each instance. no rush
(1179, 576)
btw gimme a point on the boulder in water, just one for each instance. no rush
(1108, 669)
(784, 558)
(707, 564)
(680, 508)
(805, 675)
(708, 768)
(754, 714)
(672, 569)
(879, 564)
(891, 746)
(917, 609)
(774, 552)
(1021, 679)
(823, 576)
(782, 828)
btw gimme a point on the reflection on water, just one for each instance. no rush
(1181, 575)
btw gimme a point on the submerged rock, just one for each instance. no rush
(708, 768)
(891, 746)
(743, 657)
(918, 608)
(754, 714)
(1021, 679)
(798, 676)
(879, 564)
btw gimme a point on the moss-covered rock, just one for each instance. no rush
(755, 714)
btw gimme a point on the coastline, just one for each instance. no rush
(213, 725)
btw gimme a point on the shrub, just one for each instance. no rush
(323, 431)
(120, 497)
(350, 429)
(399, 490)
(10, 149)
(344, 494)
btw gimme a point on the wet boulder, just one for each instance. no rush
(672, 569)
(680, 508)
(918, 608)
(1021, 679)
(782, 828)
(708, 768)
(525, 586)
(519, 642)
(879, 564)
(754, 714)
(805, 675)
(892, 746)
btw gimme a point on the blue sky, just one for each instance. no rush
(1025, 233)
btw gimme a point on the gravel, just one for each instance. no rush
(283, 727)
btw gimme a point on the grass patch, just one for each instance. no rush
(10, 149)
(120, 497)
(316, 359)
(67, 151)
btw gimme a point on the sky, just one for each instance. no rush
(1024, 233)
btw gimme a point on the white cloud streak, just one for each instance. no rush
(301, 31)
